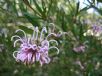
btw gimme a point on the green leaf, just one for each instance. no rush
(38, 7)
(14, 8)
(99, 1)
(99, 10)
(32, 19)
(28, 4)
(22, 7)
(84, 9)
(26, 29)
(77, 9)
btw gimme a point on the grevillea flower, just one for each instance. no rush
(95, 30)
(80, 48)
(35, 47)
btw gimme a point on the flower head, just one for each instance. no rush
(95, 30)
(34, 48)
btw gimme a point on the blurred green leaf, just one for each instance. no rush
(34, 20)
(99, 1)
(31, 18)
(27, 3)
(77, 8)
(26, 29)
(84, 9)
(38, 7)
(99, 10)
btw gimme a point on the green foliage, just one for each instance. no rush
(67, 16)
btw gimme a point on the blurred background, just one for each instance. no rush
(80, 50)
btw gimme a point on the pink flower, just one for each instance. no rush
(80, 48)
(34, 48)
(97, 28)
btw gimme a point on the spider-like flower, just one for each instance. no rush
(35, 47)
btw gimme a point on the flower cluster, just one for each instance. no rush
(34, 48)
(95, 30)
